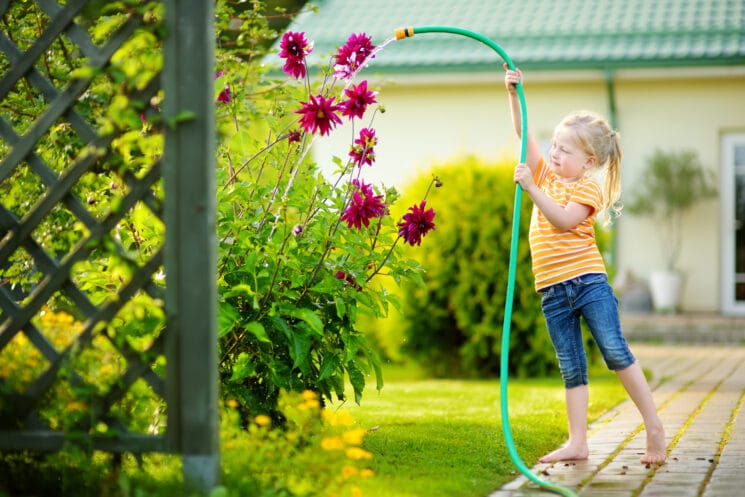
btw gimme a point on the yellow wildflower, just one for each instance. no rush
(357, 453)
(345, 419)
(338, 418)
(310, 404)
(232, 403)
(332, 443)
(262, 420)
(354, 437)
(349, 471)
(367, 473)
(309, 395)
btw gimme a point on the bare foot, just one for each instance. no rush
(656, 453)
(568, 453)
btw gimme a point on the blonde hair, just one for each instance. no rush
(597, 139)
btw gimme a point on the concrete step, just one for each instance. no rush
(684, 328)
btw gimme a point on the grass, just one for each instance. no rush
(443, 437)
(429, 438)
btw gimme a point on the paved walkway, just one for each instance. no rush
(699, 391)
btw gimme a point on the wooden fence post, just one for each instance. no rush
(190, 250)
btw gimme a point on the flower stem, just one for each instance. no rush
(384, 261)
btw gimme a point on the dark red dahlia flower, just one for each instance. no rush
(319, 114)
(358, 98)
(416, 223)
(294, 47)
(352, 55)
(364, 206)
(224, 97)
(341, 275)
(363, 150)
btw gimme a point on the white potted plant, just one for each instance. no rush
(671, 183)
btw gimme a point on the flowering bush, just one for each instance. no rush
(317, 452)
(299, 252)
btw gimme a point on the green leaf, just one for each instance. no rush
(310, 318)
(242, 368)
(373, 360)
(341, 308)
(329, 366)
(357, 379)
(240, 289)
(85, 72)
(282, 326)
(395, 301)
(227, 318)
(300, 351)
(351, 346)
(219, 492)
(257, 330)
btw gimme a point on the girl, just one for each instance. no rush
(569, 270)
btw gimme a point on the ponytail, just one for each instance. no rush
(611, 206)
(598, 139)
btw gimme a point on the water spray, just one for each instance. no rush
(408, 32)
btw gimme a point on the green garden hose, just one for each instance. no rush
(408, 32)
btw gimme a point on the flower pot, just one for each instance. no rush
(666, 288)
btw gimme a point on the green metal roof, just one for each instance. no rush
(537, 34)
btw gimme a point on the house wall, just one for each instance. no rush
(691, 114)
(429, 122)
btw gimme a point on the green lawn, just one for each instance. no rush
(443, 437)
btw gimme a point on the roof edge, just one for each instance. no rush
(554, 75)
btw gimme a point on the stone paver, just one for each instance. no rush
(699, 391)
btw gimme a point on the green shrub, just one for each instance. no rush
(316, 451)
(453, 324)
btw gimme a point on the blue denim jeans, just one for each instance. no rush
(590, 297)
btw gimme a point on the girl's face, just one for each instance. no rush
(568, 161)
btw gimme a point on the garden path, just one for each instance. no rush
(699, 390)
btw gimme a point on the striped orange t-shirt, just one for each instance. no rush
(562, 255)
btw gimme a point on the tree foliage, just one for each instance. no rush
(671, 184)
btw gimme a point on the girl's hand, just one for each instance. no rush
(512, 78)
(524, 176)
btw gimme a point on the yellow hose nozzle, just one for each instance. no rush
(406, 32)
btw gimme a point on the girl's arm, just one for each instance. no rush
(563, 218)
(533, 151)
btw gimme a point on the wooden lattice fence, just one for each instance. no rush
(107, 258)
